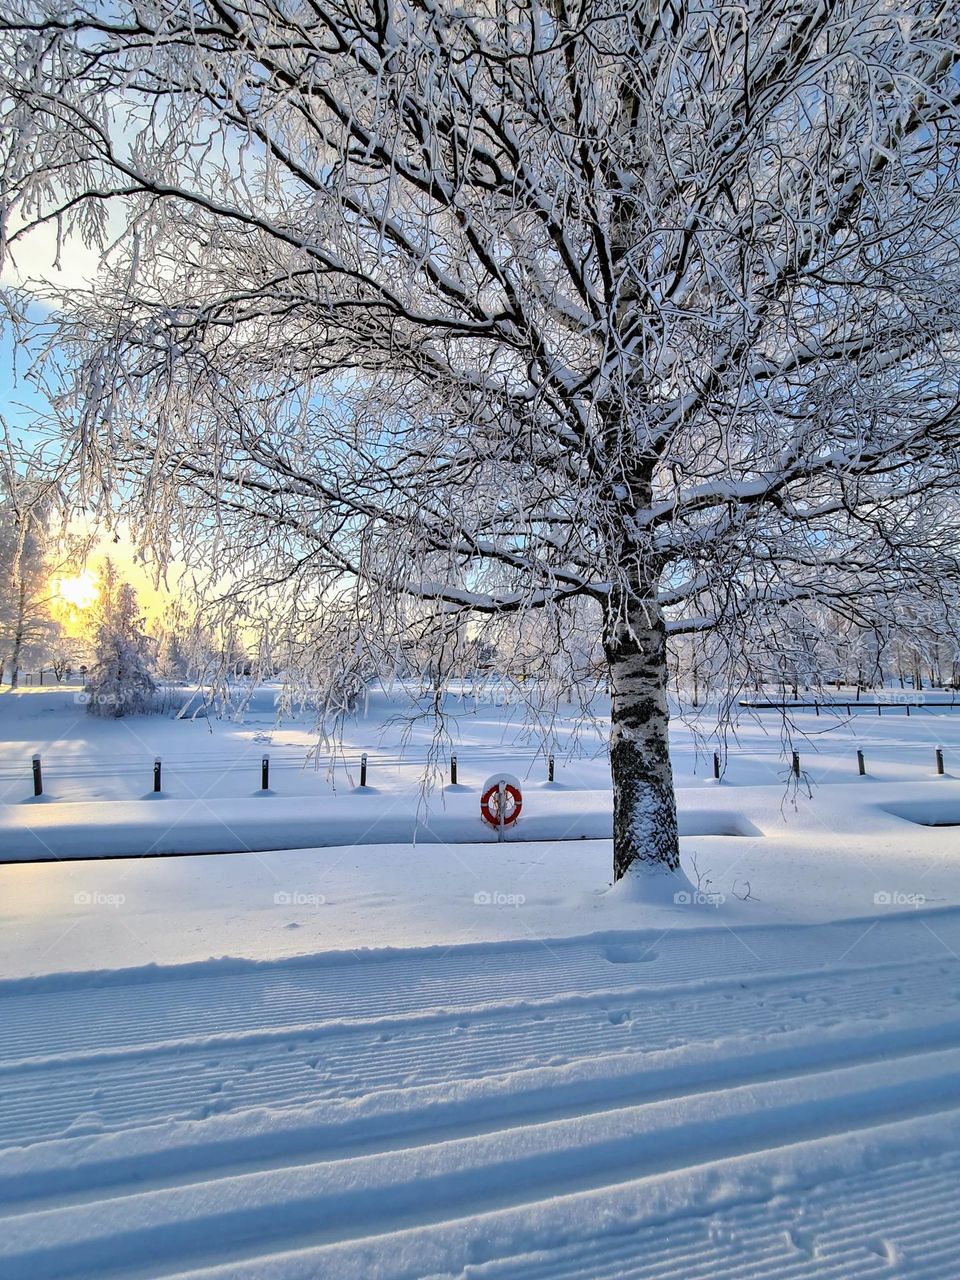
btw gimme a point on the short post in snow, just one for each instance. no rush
(795, 764)
(716, 765)
(939, 754)
(37, 777)
(156, 774)
(265, 774)
(861, 763)
(363, 770)
(453, 771)
(550, 768)
(41, 675)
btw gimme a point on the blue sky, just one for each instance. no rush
(20, 403)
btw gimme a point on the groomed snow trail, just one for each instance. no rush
(773, 1101)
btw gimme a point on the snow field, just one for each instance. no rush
(159, 1122)
(394, 1061)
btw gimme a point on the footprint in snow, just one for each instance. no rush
(885, 1249)
(802, 1241)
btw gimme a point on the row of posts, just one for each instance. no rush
(264, 773)
(861, 763)
(265, 769)
(551, 769)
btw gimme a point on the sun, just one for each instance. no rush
(79, 592)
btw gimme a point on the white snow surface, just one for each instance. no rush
(458, 1058)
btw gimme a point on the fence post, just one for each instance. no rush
(156, 774)
(550, 768)
(37, 777)
(861, 764)
(453, 771)
(796, 764)
(265, 774)
(363, 770)
(939, 755)
(716, 765)
(907, 705)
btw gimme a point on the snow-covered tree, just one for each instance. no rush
(649, 307)
(120, 681)
(28, 630)
(174, 660)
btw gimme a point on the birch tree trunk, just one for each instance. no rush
(644, 807)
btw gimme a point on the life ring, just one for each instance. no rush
(490, 800)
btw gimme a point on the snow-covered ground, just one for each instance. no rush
(459, 1058)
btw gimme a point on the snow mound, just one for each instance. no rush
(650, 886)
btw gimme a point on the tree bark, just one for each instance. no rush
(644, 804)
(18, 637)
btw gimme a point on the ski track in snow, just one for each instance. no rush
(779, 1101)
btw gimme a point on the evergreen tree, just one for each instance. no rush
(120, 681)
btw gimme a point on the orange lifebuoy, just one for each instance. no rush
(490, 801)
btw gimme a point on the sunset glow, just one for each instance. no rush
(80, 592)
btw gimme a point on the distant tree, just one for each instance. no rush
(120, 682)
(174, 660)
(27, 628)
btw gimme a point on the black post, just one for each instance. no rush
(41, 675)
(453, 771)
(879, 708)
(156, 774)
(939, 759)
(907, 705)
(37, 777)
(716, 765)
(816, 708)
(549, 768)
(363, 770)
(796, 764)
(265, 774)
(861, 764)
